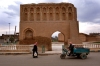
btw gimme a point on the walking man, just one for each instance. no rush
(35, 49)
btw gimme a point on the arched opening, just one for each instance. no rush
(31, 9)
(63, 16)
(44, 16)
(38, 16)
(57, 16)
(44, 10)
(70, 15)
(50, 10)
(28, 34)
(31, 17)
(25, 10)
(25, 16)
(50, 16)
(38, 9)
(69, 9)
(57, 10)
(63, 9)
(56, 43)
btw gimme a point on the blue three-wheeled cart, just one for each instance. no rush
(78, 52)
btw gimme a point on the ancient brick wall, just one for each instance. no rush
(44, 19)
(83, 37)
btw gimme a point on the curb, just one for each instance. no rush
(42, 54)
(49, 53)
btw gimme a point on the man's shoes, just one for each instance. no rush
(35, 56)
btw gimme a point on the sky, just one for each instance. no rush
(88, 14)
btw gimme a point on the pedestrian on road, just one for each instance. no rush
(35, 50)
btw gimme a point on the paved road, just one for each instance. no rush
(49, 60)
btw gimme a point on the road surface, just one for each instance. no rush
(49, 60)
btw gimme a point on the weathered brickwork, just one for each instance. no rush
(44, 19)
(91, 37)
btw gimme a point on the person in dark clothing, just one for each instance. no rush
(35, 50)
(71, 47)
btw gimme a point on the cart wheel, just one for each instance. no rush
(83, 56)
(62, 56)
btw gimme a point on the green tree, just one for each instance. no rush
(11, 39)
(54, 39)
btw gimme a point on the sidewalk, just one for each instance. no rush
(56, 49)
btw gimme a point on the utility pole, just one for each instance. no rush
(9, 28)
(9, 32)
(15, 30)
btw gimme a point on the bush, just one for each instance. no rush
(42, 41)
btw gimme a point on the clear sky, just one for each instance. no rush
(88, 14)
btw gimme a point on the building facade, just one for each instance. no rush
(44, 19)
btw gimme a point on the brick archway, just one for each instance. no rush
(45, 22)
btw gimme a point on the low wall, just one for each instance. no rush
(4, 49)
(93, 47)
(17, 49)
